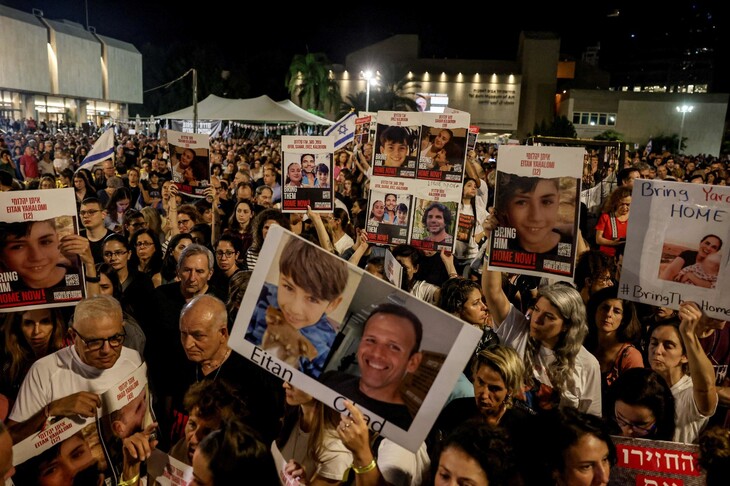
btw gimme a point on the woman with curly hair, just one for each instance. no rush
(549, 337)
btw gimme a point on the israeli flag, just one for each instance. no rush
(343, 130)
(103, 149)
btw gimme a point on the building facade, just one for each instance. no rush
(507, 99)
(58, 71)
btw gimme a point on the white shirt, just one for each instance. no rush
(62, 373)
(688, 420)
(401, 467)
(585, 392)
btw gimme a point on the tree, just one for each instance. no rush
(611, 135)
(391, 91)
(309, 82)
(560, 127)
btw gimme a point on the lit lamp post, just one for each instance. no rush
(684, 109)
(368, 75)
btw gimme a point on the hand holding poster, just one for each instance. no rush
(537, 206)
(329, 349)
(676, 246)
(190, 162)
(40, 265)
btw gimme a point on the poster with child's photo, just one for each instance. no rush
(677, 246)
(442, 148)
(307, 173)
(339, 333)
(396, 144)
(388, 217)
(40, 250)
(190, 160)
(537, 204)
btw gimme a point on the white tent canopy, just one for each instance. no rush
(261, 109)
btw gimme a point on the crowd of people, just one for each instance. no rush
(560, 368)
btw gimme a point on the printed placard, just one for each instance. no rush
(644, 462)
(327, 358)
(35, 272)
(537, 203)
(677, 246)
(190, 160)
(307, 173)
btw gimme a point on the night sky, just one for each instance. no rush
(266, 40)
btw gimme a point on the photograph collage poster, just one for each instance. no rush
(190, 162)
(677, 246)
(537, 204)
(307, 173)
(417, 178)
(35, 273)
(327, 358)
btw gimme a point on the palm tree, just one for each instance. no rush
(309, 82)
(390, 91)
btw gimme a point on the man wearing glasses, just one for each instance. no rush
(68, 383)
(92, 217)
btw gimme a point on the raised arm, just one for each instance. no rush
(497, 301)
(700, 367)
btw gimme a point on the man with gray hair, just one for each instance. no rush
(203, 333)
(194, 270)
(67, 383)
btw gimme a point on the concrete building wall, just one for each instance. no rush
(78, 56)
(124, 67)
(24, 60)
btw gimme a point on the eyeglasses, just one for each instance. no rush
(96, 344)
(184, 221)
(89, 212)
(143, 244)
(118, 254)
(141, 224)
(227, 254)
(640, 431)
(607, 280)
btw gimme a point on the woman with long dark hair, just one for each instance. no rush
(147, 254)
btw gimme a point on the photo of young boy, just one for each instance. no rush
(395, 151)
(290, 320)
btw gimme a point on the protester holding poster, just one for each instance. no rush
(537, 204)
(40, 250)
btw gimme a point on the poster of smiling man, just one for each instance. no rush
(350, 336)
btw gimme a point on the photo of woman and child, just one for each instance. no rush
(699, 267)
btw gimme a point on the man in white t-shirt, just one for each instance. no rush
(68, 383)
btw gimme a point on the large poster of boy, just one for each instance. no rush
(537, 206)
(434, 224)
(676, 246)
(190, 159)
(396, 357)
(40, 250)
(65, 454)
(396, 142)
(307, 175)
(388, 217)
(299, 308)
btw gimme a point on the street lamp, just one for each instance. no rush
(684, 109)
(368, 75)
